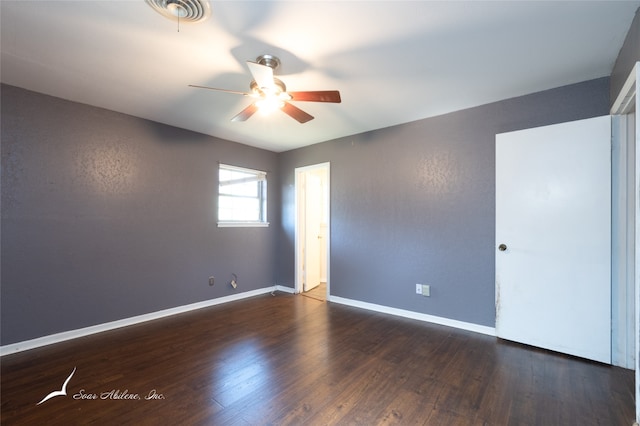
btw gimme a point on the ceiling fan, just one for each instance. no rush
(271, 93)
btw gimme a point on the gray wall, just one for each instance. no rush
(416, 203)
(106, 216)
(627, 57)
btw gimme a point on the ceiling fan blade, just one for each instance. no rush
(296, 113)
(220, 90)
(262, 74)
(246, 113)
(317, 96)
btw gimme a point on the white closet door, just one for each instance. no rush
(553, 237)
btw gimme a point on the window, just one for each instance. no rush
(242, 197)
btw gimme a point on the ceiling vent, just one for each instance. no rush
(182, 10)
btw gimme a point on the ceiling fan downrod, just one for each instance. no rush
(269, 61)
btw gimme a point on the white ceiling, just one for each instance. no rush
(392, 61)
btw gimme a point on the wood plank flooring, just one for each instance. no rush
(318, 292)
(293, 360)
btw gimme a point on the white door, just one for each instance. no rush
(313, 239)
(553, 237)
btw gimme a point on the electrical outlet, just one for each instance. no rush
(212, 280)
(426, 290)
(418, 288)
(234, 281)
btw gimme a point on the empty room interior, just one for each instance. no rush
(319, 212)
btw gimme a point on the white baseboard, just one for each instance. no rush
(482, 329)
(285, 289)
(81, 332)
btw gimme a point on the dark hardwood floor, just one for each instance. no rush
(319, 292)
(294, 360)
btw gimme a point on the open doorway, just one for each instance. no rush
(312, 231)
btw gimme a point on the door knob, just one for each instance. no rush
(502, 247)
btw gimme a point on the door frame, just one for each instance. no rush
(627, 254)
(626, 101)
(299, 222)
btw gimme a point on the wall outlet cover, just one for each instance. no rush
(418, 288)
(426, 290)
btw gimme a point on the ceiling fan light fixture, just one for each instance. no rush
(182, 10)
(268, 104)
(270, 93)
(277, 89)
(284, 96)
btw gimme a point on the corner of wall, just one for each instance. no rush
(627, 57)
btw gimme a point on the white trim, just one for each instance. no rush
(261, 173)
(625, 101)
(482, 329)
(86, 331)
(298, 183)
(636, 72)
(81, 332)
(297, 237)
(622, 247)
(243, 224)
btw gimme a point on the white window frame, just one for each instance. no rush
(261, 178)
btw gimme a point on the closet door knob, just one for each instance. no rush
(502, 247)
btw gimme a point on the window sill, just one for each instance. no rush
(243, 224)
